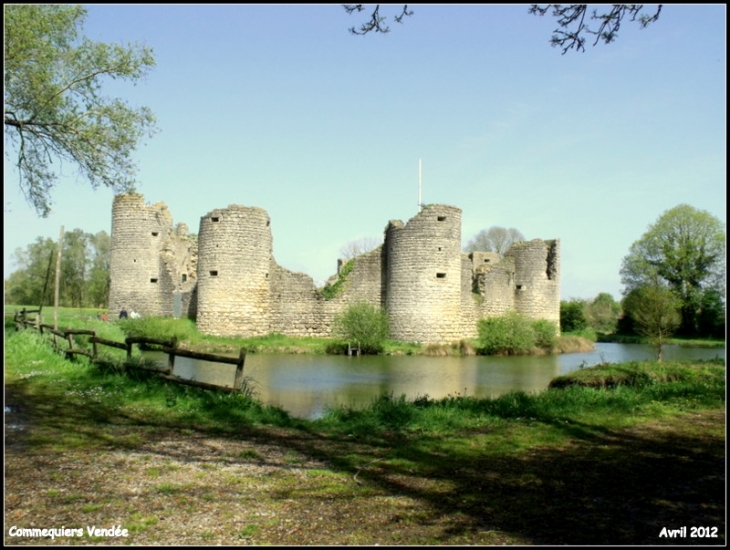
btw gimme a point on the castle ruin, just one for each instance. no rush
(228, 280)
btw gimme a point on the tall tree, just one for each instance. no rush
(100, 261)
(655, 311)
(574, 21)
(74, 267)
(26, 285)
(573, 315)
(54, 106)
(495, 239)
(84, 271)
(684, 251)
(603, 313)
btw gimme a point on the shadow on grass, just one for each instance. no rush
(605, 487)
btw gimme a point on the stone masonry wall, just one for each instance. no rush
(138, 278)
(228, 278)
(234, 255)
(298, 308)
(537, 278)
(423, 274)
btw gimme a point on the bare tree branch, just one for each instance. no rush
(376, 23)
(571, 19)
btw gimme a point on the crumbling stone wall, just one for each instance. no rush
(179, 257)
(228, 279)
(537, 278)
(298, 308)
(143, 275)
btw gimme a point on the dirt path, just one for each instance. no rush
(169, 486)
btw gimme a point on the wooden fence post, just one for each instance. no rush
(129, 349)
(171, 355)
(70, 338)
(94, 349)
(238, 380)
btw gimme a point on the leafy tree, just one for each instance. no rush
(572, 22)
(711, 317)
(572, 315)
(603, 313)
(84, 271)
(656, 314)
(364, 325)
(73, 268)
(54, 107)
(495, 239)
(684, 251)
(98, 282)
(26, 286)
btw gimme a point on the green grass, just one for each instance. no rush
(165, 328)
(612, 396)
(456, 470)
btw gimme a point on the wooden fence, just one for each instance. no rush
(63, 342)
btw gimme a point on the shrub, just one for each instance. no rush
(364, 325)
(336, 288)
(506, 335)
(515, 334)
(546, 334)
(572, 315)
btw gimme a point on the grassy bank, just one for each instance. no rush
(686, 342)
(186, 332)
(625, 449)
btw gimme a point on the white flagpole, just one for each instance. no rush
(420, 204)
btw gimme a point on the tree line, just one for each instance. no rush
(84, 271)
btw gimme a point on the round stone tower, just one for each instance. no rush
(234, 255)
(423, 265)
(138, 278)
(537, 278)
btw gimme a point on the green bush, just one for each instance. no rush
(546, 334)
(333, 290)
(364, 325)
(515, 334)
(511, 334)
(573, 316)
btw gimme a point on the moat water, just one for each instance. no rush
(307, 385)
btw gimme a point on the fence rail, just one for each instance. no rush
(70, 349)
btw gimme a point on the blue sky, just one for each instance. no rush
(282, 108)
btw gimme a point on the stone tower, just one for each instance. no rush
(234, 253)
(423, 276)
(537, 278)
(139, 280)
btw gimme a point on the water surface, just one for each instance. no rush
(306, 385)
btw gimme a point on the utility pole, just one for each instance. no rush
(58, 280)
